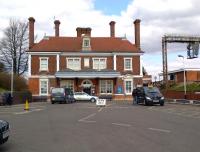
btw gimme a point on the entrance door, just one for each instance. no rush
(87, 84)
(87, 90)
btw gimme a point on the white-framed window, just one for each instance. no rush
(43, 87)
(106, 86)
(128, 64)
(99, 63)
(128, 85)
(74, 63)
(86, 62)
(44, 63)
(86, 42)
(67, 84)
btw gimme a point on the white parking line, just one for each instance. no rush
(100, 109)
(84, 119)
(121, 124)
(159, 130)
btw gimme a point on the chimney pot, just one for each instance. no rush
(57, 24)
(31, 31)
(137, 33)
(112, 28)
(85, 31)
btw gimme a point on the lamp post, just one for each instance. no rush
(11, 87)
(181, 56)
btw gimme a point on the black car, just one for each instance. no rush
(149, 96)
(4, 131)
(62, 95)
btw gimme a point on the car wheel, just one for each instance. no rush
(161, 103)
(146, 103)
(93, 100)
(52, 102)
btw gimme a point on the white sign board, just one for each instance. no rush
(101, 102)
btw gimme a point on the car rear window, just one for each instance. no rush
(57, 90)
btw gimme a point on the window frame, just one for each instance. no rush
(67, 81)
(47, 64)
(106, 86)
(125, 91)
(67, 65)
(86, 59)
(40, 85)
(131, 64)
(99, 63)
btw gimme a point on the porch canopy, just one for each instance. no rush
(87, 73)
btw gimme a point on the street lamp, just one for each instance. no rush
(181, 56)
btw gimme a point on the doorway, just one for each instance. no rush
(87, 84)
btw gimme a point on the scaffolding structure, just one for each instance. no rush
(192, 49)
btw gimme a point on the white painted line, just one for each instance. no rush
(87, 121)
(160, 130)
(23, 112)
(100, 109)
(121, 124)
(87, 117)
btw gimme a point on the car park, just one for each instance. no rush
(4, 131)
(149, 96)
(82, 96)
(62, 95)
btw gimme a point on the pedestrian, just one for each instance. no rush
(9, 99)
(135, 98)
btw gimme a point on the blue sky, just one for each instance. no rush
(111, 7)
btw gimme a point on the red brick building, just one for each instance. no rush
(177, 76)
(96, 65)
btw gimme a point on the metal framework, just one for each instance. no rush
(192, 49)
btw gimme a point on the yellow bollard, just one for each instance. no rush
(26, 105)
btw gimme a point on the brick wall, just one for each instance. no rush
(33, 84)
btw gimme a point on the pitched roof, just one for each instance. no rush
(74, 44)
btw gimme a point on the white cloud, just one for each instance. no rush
(158, 17)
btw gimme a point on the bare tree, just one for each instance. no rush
(13, 47)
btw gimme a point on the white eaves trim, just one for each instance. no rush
(42, 76)
(86, 53)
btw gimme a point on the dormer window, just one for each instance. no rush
(86, 43)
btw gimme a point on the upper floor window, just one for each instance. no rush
(127, 63)
(43, 64)
(86, 62)
(86, 43)
(74, 63)
(99, 63)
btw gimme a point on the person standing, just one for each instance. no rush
(135, 98)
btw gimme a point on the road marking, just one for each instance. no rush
(23, 112)
(100, 109)
(84, 119)
(160, 130)
(121, 124)
(110, 104)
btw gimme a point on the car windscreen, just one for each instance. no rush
(150, 90)
(57, 90)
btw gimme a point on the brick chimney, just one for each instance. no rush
(86, 31)
(31, 31)
(57, 24)
(137, 33)
(112, 29)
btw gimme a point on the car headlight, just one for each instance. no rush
(148, 98)
(162, 98)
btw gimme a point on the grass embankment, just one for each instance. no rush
(193, 87)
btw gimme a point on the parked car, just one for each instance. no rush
(62, 95)
(84, 97)
(4, 131)
(149, 96)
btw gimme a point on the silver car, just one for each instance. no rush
(82, 96)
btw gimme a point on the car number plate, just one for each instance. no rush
(5, 134)
(155, 100)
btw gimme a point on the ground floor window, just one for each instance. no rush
(43, 86)
(67, 84)
(106, 86)
(128, 86)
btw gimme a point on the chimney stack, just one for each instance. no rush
(86, 31)
(112, 29)
(57, 24)
(31, 31)
(137, 33)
